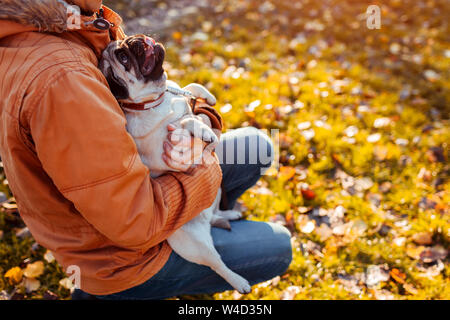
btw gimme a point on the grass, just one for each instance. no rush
(362, 115)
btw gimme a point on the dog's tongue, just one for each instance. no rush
(149, 61)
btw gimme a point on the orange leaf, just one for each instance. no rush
(287, 172)
(15, 275)
(398, 276)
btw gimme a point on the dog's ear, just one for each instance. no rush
(118, 86)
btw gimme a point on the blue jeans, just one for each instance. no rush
(258, 251)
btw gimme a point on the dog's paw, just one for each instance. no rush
(230, 214)
(209, 136)
(201, 92)
(199, 130)
(244, 287)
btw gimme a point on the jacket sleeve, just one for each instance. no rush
(81, 140)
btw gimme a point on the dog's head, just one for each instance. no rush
(133, 68)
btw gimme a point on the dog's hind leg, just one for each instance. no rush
(195, 244)
(229, 214)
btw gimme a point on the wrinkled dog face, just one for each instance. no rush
(133, 68)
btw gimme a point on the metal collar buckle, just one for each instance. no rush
(100, 23)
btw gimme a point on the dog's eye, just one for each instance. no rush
(123, 58)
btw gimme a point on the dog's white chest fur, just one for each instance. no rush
(193, 240)
(149, 129)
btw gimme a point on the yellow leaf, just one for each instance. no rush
(34, 270)
(271, 172)
(15, 275)
(414, 252)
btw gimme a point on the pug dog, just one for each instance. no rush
(134, 70)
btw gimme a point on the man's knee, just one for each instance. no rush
(282, 238)
(260, 147)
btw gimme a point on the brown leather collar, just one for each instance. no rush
(145, 105)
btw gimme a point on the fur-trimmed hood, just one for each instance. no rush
(17, 16)
(44, 15)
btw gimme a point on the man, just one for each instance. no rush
(79, 183)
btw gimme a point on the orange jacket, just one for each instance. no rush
(73, 168)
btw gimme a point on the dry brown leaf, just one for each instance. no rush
(414, 252)
(423, 238)
(433, 254)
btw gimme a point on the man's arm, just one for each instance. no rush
(81, 140)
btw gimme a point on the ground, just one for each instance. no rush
(362, 116)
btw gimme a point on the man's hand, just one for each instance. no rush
(182, 151)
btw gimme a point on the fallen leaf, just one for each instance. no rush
(23, 233)
(14, 275)
(31, 284)
(435, 154)
(34, 270)
(9, 206)
(433, 254)
(374, 137)
(381, 122)
(66, 283)
(342, 229)
(398, 276)
(308, 194)
(380, 153)
(308, 227)
(290, 292)
(271, 172)
(410, 288)
(287, 172)
(4, 295)
(385, 187)
(48, 256)
(376, 274)
(430, 270)
(324, 232)
(262, 191)
(350, 283)
(414, 252)
(383, 294)
(423, 238)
